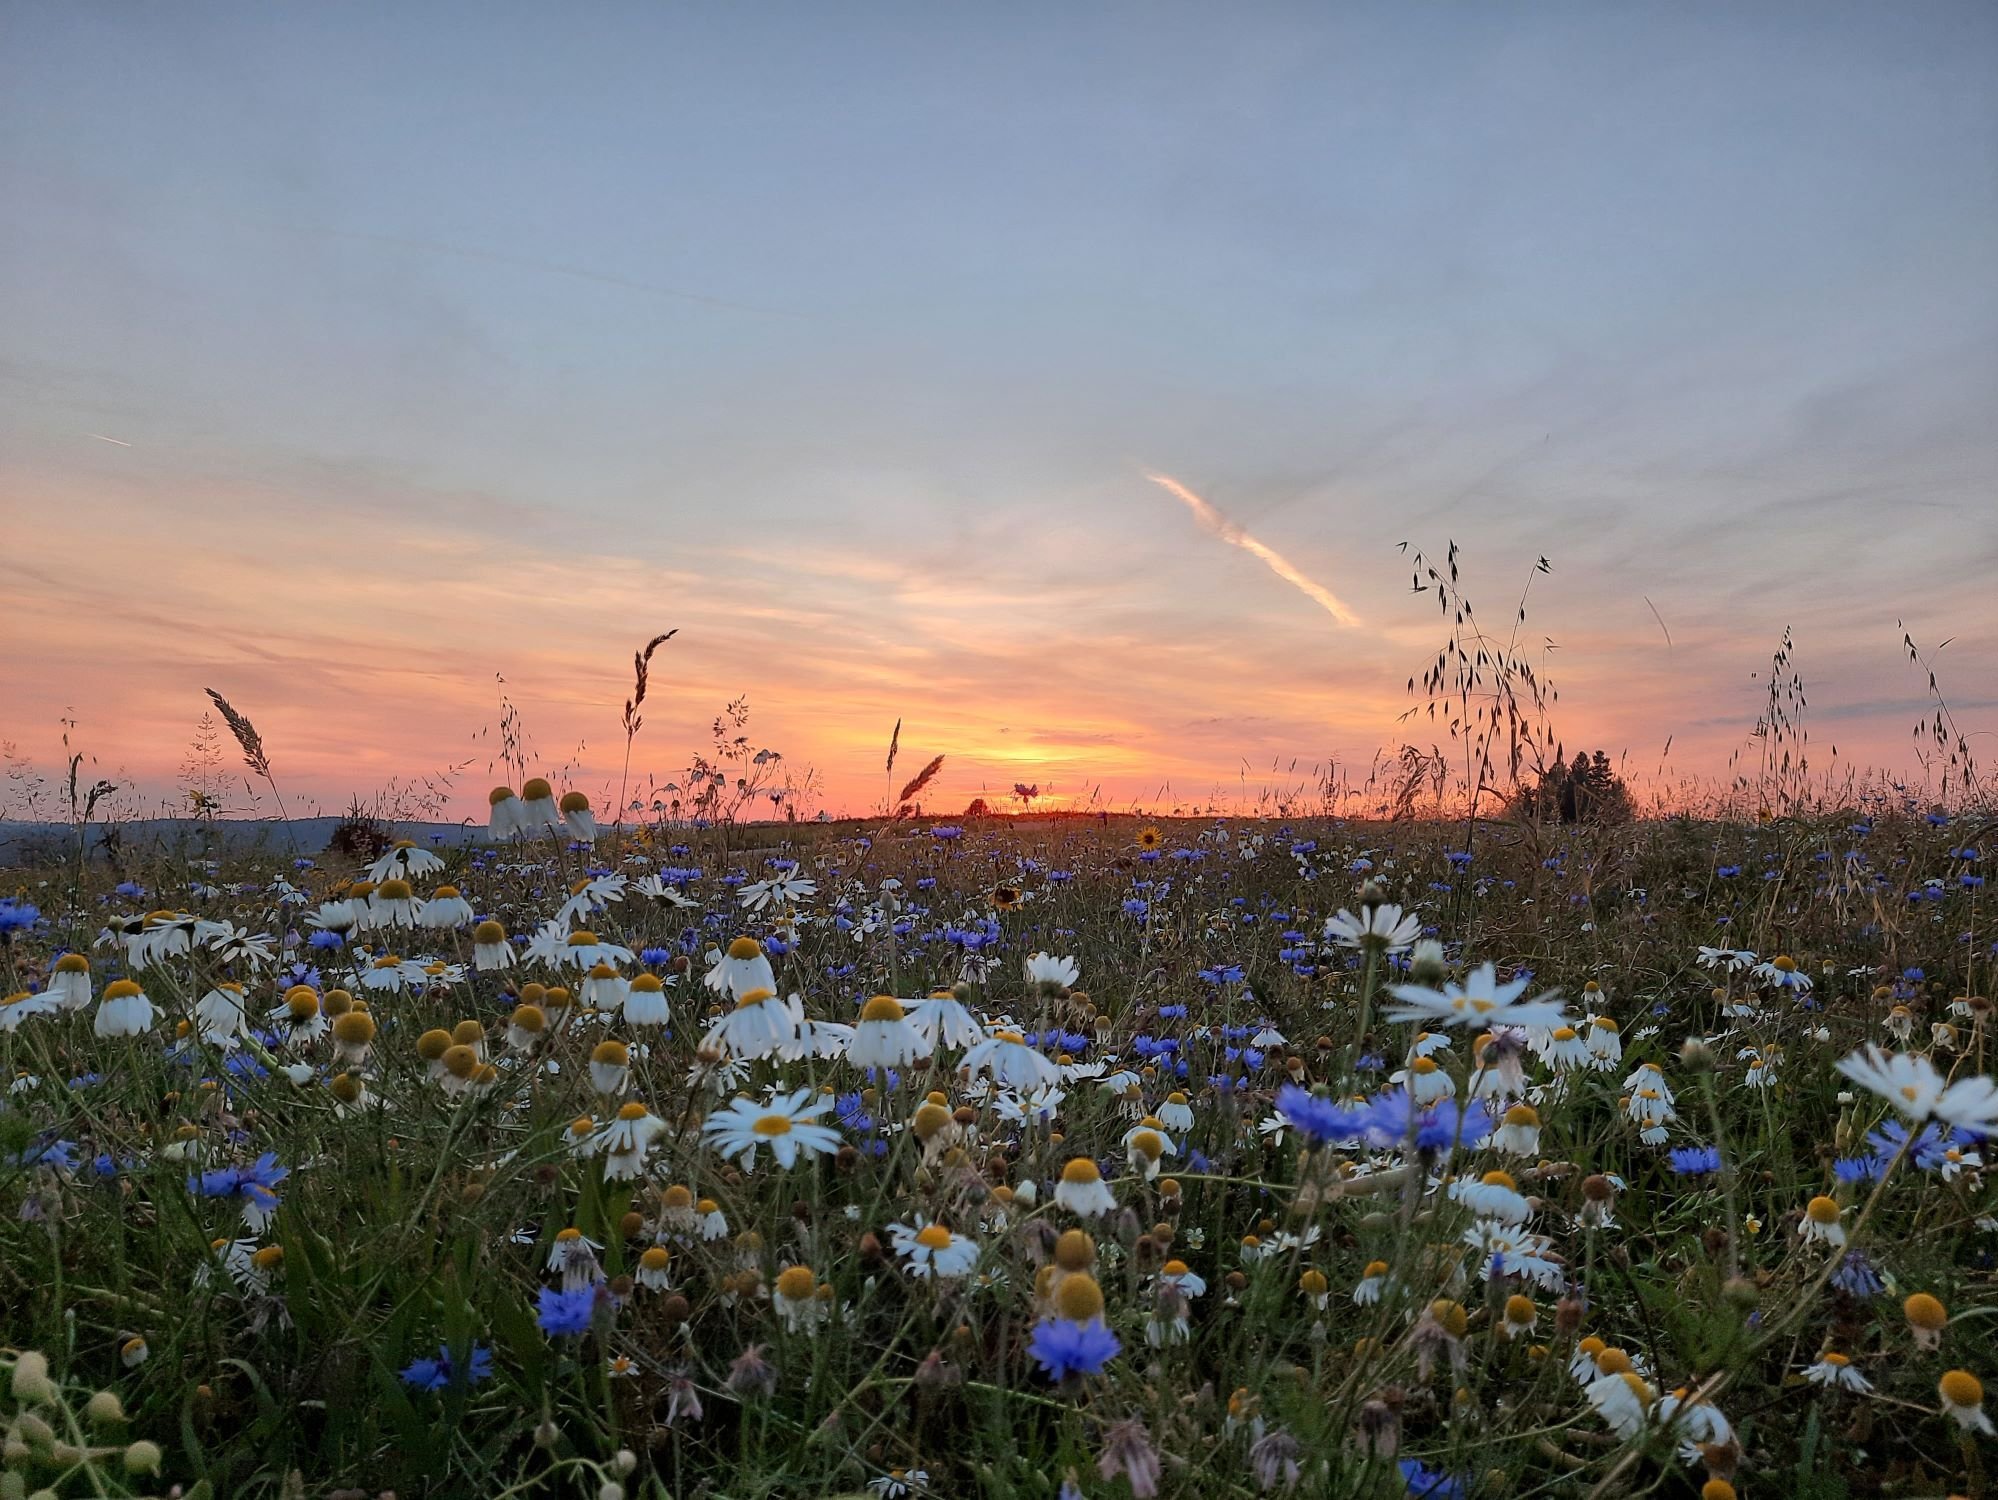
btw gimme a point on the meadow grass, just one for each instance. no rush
(308, 1235)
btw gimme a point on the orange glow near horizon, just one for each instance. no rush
(363, 665)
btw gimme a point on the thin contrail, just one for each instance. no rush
(103, 439)
(1212, 520)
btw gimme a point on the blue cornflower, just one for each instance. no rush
(652, 958)
(15, 915)
(1430, 1484)
(1317, 1120)
(1063, 1348)
(1390, 1120)
(1858, 1168)
(1136, 908)
(325, 939)
(254, 1184)
(563, 1312)
(58, 1155)
(1696, 1161)
(1930, 1150)
(440, 1373)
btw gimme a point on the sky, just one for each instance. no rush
(1062, 381)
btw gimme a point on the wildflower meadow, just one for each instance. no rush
(1063, 1157)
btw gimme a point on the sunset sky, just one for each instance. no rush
(353, 355)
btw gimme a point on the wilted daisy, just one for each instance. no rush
(445, 908)
(577, 819)
(1962, 1396)
(490, 949)
(645, 1002)
(759, 1026)
(1479, 1001)
(583, 950)
(1835, 1371)
(353, 1037)
(1623, 1400)
(786, 1125)
(610, 1067)
(1082, 1190)
(123, 1010)
(624, 1142)
(1425, 1081)
(69, 982)
(652, 1270)
(219, 1016)
(1493, 1196)
(1518, 1133)
(1007, 1059)
(1820, 1224)
(1605, 1042)
(884, 1037)
(795, 1296)
(1145, 1143)
(21, 1005)
(603, 989)
(944, 1021)
(538, 812)
(931, 1250)
(744, 967)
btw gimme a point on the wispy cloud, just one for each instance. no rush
(1213, 521)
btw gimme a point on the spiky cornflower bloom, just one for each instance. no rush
(1391, 1121)
(1318, 1119)
(254, 1184)
(441, 1373)
(1425, 1483)
(561, 1313)
(1695, 1161)
(1063, 1348)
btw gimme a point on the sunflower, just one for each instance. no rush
(1150, 838)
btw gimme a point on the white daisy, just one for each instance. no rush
(785, 1125)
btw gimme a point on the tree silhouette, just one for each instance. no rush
(1585, 790)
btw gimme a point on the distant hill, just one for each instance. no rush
(21, 842)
